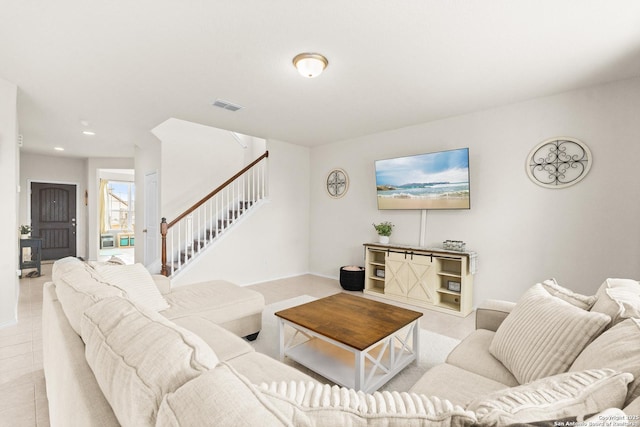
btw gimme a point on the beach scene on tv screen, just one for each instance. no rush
(426, 181)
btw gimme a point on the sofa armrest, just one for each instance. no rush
(163, 283)
(491, 313)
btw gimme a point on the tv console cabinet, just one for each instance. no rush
(437, 279)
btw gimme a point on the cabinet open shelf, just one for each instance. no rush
(420, 276)
(447, 291)
(449, 274)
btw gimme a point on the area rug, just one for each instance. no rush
(434, 347)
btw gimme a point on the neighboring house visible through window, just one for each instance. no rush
(120, 209)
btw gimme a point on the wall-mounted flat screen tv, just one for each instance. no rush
(437, 180)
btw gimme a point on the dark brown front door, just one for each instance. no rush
(53, 218)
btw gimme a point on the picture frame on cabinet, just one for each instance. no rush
(379, 272)
(453, 286)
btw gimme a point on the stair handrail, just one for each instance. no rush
(164, 226)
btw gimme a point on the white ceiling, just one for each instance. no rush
(126, 66)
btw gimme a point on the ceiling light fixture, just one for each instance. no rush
(58, 148)
(310, 65)
(88, 132)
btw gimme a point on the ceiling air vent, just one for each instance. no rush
(221, 103)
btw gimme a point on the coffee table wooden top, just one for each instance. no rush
(355, 321)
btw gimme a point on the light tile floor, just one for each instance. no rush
(23, 398)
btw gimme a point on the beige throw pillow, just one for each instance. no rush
(138, 356)
(573, 298)
(137, 282)
(571, 394)
(315, 404)
(543, 335)
(619, 299)
(617, 348)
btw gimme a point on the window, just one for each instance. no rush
(120, 209)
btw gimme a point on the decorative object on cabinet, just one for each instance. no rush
(559, 162)
(438, 279)
(337, 183)
(384, 230)
(25, 230)
(453, 286)
(454, 245)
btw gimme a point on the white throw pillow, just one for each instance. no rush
(619, 299)
(571, 394)
(315, 404)
(137, 282)
(617, 348)
(543, 335)
(138, 356)
(573, 298)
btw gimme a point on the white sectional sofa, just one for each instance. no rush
(118, 351)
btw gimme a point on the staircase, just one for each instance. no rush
(204, 223)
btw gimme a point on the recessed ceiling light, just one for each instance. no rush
(88, 132)
(58, 148)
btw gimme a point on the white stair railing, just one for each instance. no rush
(197, 227)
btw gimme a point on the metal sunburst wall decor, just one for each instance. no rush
(337, 183)
(559, 162)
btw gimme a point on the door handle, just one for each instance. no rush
(144, 231)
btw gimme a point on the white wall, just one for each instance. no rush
(523, 233)
(59, 170)
(9, 180)
(273, 242)
(195, 159)
(94, 165)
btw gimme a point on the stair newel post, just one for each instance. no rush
(163, 231)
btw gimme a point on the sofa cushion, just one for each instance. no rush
(619, 299)
(136, 281)
(472, 354)
(78, 289)
(543, 335)
(454, 384)
(138, 356)
(579, 300)
(163, 283)
(617, 348)
(571, 394)
(220, 397)
(259, 368)
(64, 265)
(224, 344)
(313, 404)
(216, 300)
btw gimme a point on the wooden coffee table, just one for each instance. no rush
(353, 341)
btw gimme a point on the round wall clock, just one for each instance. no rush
(559, 162)
(337, 183)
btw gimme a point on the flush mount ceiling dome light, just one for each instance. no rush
(310, 65)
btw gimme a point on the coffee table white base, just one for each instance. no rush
(365, 370)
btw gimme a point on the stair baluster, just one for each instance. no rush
(202, 224)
